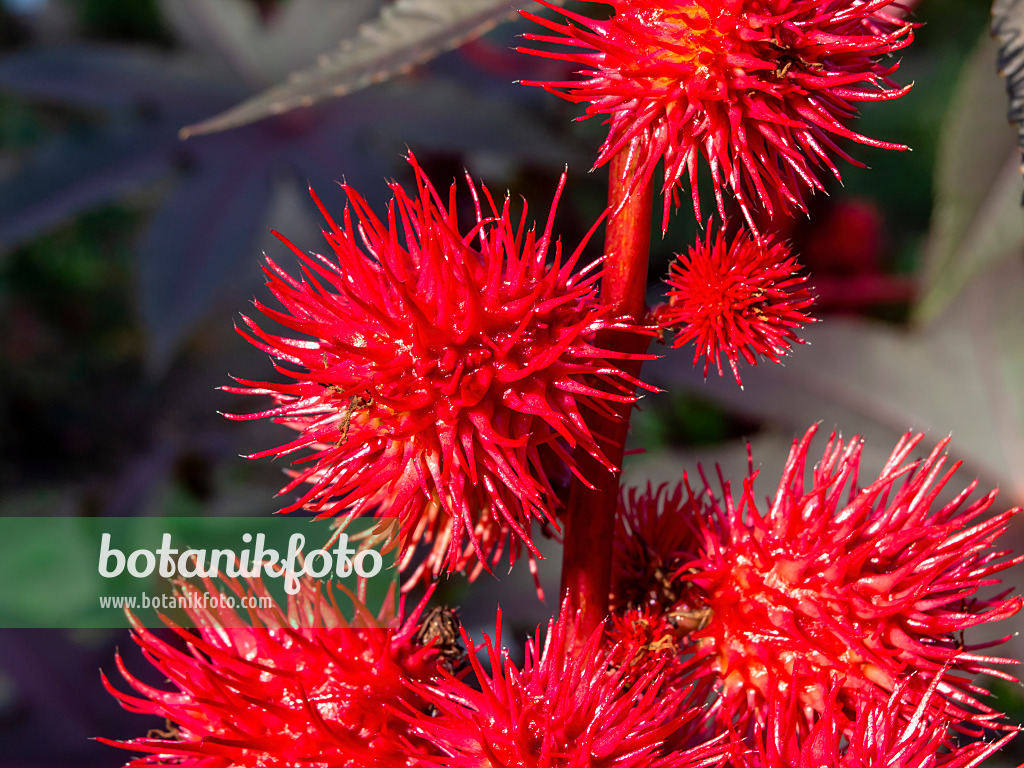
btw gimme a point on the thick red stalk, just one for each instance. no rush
(590, 517)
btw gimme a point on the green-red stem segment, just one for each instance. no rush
(590, 514)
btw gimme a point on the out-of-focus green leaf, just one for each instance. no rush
(976, 220)
(407, 33)
(961, 375)
(1008, 29)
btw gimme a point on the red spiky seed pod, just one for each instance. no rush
(441, 375)
(872, 589)
(258, 692)
(639, 637)
(656, 532)
(762, 90)
(879, 737)
(738, 298)
(568, 707)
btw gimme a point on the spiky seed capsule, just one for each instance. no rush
(761, 90)
(655, 537)
(440, 377)
(569, 706)
(256, 692)
(879, 737)
(871, 586)
(737, 298)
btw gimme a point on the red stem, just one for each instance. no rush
(590, 514)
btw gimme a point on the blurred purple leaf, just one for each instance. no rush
(261, 46)
(56, 681)
(200, 240)
(91, 77)
(407, 33)
(144, 97)
(75, 173)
